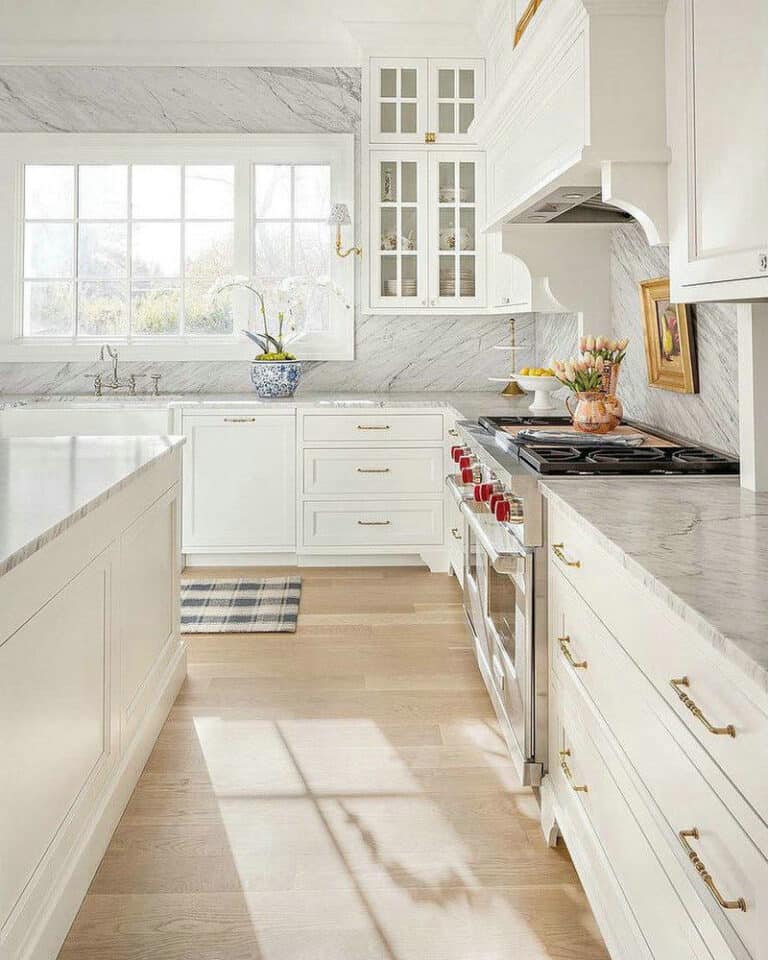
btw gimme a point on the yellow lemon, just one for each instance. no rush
(525, 372)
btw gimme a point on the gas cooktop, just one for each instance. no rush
(656, 454)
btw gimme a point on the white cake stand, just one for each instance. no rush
(542, 389)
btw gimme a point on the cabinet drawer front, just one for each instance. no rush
(581, 772)
(378, 471)
(633, 709)
(665, 648)
(373, 523)
(372, 428)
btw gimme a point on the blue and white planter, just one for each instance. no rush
(274, 379)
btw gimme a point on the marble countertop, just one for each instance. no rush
(468, 405)
(699, 544)
(48, 483)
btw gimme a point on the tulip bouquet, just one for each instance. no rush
(612, 351)
(582, 374)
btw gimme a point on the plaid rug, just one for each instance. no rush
(268, 605)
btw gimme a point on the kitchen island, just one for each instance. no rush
(90, 659)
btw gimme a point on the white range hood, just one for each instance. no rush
(575, 135)
(580, 116)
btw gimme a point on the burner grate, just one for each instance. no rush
(696, 456)
(625, 455)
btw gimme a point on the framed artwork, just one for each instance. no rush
(670, 349)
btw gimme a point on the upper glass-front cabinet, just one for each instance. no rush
(424, 100)
(426, 247)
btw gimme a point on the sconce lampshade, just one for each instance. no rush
(339, 215)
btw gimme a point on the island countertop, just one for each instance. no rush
(699, 544)
(48, 483)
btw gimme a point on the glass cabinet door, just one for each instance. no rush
(455, 89)
(398, 100)
(399, 233)
(456, 189)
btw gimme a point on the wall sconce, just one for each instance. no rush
(340, 218)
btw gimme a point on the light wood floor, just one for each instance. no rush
(342, 793)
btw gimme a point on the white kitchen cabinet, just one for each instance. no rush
(239, 482)
(509, 280)
(651, 798)
(411, 98)
(427, 210)
(717, 77)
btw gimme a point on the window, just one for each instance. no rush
(290, 209)
(115, 250)
(122, 238)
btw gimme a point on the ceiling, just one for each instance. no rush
(249, 31)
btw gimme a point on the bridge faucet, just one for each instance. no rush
(112, 354)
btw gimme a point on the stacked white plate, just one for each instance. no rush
(408, 288)
(466, 281)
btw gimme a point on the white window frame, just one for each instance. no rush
(18, 150)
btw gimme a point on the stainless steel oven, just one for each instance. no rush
(501, 581)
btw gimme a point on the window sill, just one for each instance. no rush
(169, 349)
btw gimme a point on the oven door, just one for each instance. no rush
(475, 592)
(509, 631)
(503, 572)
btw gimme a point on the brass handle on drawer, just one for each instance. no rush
(455, 532)
(453, 433)
(557, 549)
(705, 875)
(566, 652)
(239, 419)
(568, 775)
(373, 469)
(727, 731)
(362, 426)
(374, 523)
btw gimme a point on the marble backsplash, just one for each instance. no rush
(392, 353)
(709, 416)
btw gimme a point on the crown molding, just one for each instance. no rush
(203, 54)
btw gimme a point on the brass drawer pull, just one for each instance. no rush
(455, 532)
(373, 469)
(728, 731)
(374, 523)
(557, 549)
(362, 426)
(568, 775)
(566, 652)
(453, 433)
(239, 419)
(705, 875)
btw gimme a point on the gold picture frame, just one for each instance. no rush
(670, 347)
(525, 19)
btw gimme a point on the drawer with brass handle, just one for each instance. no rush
(577, 788)
(558, 550)
(385, 428)
(455, 533)
(566, 652)
(727, 731)
(693, 834)
(393, 471)
(239, 419)
(704, 694)
(342, 524)
(668, 903)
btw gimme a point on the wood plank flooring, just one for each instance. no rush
(341, 793)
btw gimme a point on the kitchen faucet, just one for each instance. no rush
(109, 352)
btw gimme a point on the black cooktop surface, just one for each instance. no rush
(562, 459)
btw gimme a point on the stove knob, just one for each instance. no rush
(501, 510)
(466, 460)
(494, 499)
(469, 475)
(487, 490)
(457, 453)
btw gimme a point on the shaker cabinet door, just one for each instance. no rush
(240, 482)
(398, 100)
(719, 138)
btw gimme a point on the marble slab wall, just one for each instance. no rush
(711, 415)
(392, 353)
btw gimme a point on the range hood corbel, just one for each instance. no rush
(569, 266)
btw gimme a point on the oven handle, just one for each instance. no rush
(458, 490)
(511, 563)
